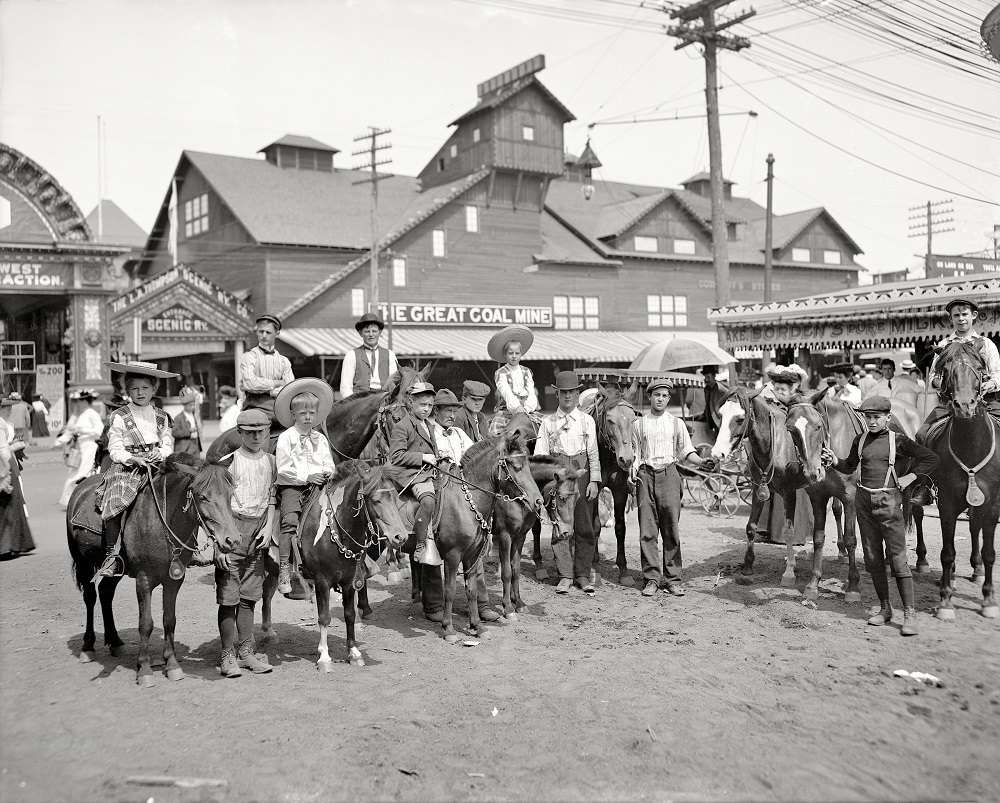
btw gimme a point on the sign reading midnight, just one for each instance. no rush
(465, 315)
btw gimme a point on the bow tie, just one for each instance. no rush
(312, 437)
(446, 431)
(266, 351)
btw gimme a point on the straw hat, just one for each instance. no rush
(498, 343)
(142, 369)
(283, 401)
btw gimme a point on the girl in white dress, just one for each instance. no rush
(86, 426)
(514, 382)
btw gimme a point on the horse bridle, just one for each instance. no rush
(179, 545)
(374, 532)
(961, 362)
(604, 431)
(766, 474)
(826, 429)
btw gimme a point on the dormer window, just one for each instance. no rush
(196, 215)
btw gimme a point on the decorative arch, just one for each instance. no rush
(54, 205)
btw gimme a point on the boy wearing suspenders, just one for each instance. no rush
(879, 502)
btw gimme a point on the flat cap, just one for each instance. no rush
(253, 419)
(470, 387)
(961, 301)
(419, 388)
(267, 318)
(659, 384)
(875, 404)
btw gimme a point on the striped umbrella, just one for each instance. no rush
(679, 352)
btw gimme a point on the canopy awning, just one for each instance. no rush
(470, 344)
(678, 378)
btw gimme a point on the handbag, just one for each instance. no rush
(72, 456)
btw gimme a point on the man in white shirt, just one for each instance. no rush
(660, 441)
(572, 432)
(229, 408)
(369, 366)
(890, 385)
(263, 371)
(842, 389)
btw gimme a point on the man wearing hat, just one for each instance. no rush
(890, 462)
(842, 389)
(714, 392)
(572, 432)
(963, 314)
(413, 447)
(660, 441)
(369, 366)
(187, 438)
(914, 373)
(263, 371)
(470, 416)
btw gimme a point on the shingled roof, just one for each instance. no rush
(498, 96)
(298, 141)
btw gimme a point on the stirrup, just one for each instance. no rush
(113, 566)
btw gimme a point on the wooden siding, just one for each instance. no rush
(293, 272)
(819, 236)
(470, 157)
(668, 222)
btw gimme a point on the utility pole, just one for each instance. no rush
(769, 229)
(928, 220)
(698, 25)
(372, 163)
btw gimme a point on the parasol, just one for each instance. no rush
(679, 353)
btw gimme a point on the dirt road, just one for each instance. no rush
(733, 692)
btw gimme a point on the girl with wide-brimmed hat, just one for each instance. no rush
(82, 431)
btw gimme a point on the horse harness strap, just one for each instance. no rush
(974, 494)
(335, 531)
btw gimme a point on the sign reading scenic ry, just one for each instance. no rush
(466, 315)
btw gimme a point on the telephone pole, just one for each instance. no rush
(372, 163)
(928, 220)
(769, 229)
(699, 25)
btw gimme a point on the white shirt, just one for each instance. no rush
(87, 426)
(300, 455)
(228, 420)
(516, 387)
(253, 482)
(351, 365)
(570, 433)
(261, 372)
(452, 444)
(659, 440)
(849, 393)
(900, 384)
(119, 441)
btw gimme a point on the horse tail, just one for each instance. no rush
(907, 514)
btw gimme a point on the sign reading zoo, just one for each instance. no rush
(466, 315)
(177, 320)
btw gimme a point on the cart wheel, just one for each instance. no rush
(700, 495)
(721, 497)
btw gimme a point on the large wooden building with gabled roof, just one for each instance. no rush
(499, 226)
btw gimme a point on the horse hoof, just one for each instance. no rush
(87, 656)
(852, 596)
(395, 577)
(991, 612)
(405, 572)
(922, 568)
(510, 617)
(946, 614)
(115, 651)
(811, 593)
(175, 674)
(842, 555)
(978, 573)
(367, 613)
(269, 637)
(541, 574)
(744, 579)
(324, 665)
(626, 580)
(452, 638)
(788, 581)
(354, 657)
(144, 681)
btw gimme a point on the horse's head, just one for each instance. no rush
(557, 478)
(962, 368)
(382, 501)
(614, 416)
(210, 489)
(514, 469)
(734, 414)
(808, 431)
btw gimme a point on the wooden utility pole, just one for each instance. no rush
(698, 24)
(372, 163)
(930, 223)
(769, 229)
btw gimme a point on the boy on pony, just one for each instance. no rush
(139, 436)
(515, 383)
(303, 458)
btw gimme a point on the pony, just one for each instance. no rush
(555, 476)
(784, 454)
(158, 540)
(968, 476)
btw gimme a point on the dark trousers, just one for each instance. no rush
(290, 500)
(659, 500)
(432, 586)
(575, 555)
(883, 531)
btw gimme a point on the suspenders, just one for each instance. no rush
(890, 475)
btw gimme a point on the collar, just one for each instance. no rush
(313, 436)
(570, 416)
(263, 350)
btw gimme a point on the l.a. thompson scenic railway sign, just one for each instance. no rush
(465, 315)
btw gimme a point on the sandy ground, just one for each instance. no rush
(733, 692)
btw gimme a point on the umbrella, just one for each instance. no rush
(679, 353)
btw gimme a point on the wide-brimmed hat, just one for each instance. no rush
(142, 369)
(268, 318)
(588, 398)
(419, 388)
(964, 301)
(367, 318)
(875, 404)
(445, 398)
(784, 375)
(14, 396)
(659, 384)
(87, 394)
(567, 380)
(842, 368)
(498, 343)
(908, 365)
(283, 401)
(471, 387)
(710, 369)
(253, 419)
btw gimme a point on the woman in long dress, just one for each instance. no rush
(86, 427)
(15, 531)
(39, 418)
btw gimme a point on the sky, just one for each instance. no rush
(869, 109)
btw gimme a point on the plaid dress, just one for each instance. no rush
(121, 483)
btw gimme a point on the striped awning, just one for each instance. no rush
(469, 345)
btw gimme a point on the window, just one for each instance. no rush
(475, 135)
(441, 164)
(399, 272)
(438, 243)
(731, 233)
(683, 246)
(358, 301)
(576, 312)
(646, 244)
(528, 133)
(831, 257)
(453, 150)
(472, 218)
(666, 311)
(800, 255)
(196, 215)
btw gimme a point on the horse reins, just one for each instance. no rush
(373, 530)
(189, 502)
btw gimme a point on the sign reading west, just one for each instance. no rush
(34, 275)
(466, 315)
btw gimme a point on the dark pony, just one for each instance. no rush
(159, 536)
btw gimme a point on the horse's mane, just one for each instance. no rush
(476, 452)
(205, 474)
(353, 398)
(369, 473)
(960, 347)
(557, 460)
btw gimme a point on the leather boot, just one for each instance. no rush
(113, 564)
(884, 615)
(909, 622)
(423, 553)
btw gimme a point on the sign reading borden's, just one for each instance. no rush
(466, 315)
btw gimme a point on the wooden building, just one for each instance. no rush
(500, 226)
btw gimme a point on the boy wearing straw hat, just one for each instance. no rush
(572, 432)
(660, 441)
(303, 456)
(139, 435)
